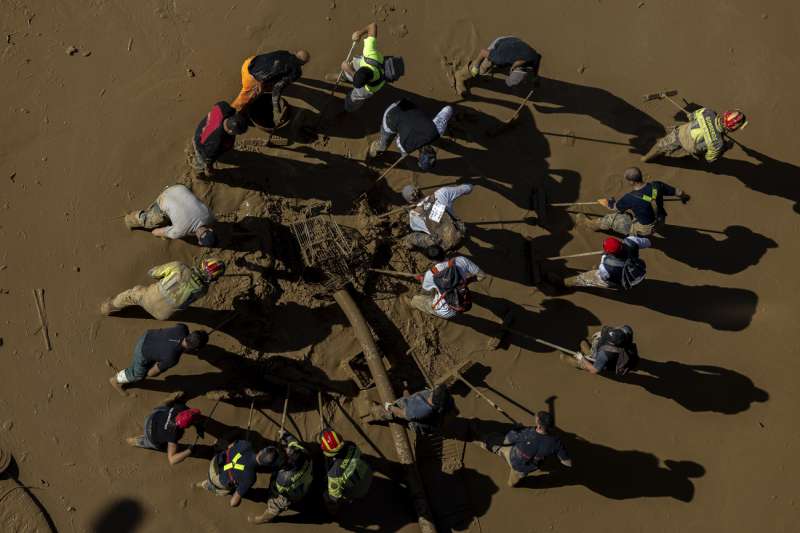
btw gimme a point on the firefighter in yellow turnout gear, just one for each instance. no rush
(703, 136)
(292, 475)
(177, 287)
(349, 475)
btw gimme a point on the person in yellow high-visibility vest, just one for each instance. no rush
(177, 287)
(292, 475)
(231, 471)
(364, 71)
(349, 475)
(703, 136)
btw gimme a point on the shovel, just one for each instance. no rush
(500, 128)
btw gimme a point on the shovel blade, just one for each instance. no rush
(659, 96)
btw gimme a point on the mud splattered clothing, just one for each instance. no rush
(210, 138)
(436, 304)
(505, 51)
(412, 126)
(233, 469)
(179, 285)
(703, 136)
(160, 428)
(646, 206)
(349, 476)
(433, 221)
(609, 273)
(176, 206)
(267, 72)
(358, 95)
(290, 484)
(162, 346)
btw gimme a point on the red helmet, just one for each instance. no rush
(212, 268)
(185, 418)
(612, 246)
(331, 442)
(733, 120)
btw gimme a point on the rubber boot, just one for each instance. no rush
(107, 307)
(133, 220)
(654, 152)
(374, 149)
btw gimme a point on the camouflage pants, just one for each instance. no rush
(423, 302)
(277, 503)
(152, 217)
(590, 278)
(148, 298)
(499, 445)
(670, 145)
(216, 485)
(623, 224)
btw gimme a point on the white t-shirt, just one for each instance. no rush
(185, 211)
(465, 267)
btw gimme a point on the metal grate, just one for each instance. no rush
(324, 246)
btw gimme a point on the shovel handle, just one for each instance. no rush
(484, 397)
(584, 254)
(408, 275)
(285, 407)
(385, 172)
(339, 77)
(394, 211)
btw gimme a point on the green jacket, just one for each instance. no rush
(178, 283)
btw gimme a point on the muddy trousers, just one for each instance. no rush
(424, 303)
(148, 298)
(504, 451)
(669, 145)
(150, 218)
(590, 278)
(621, 223)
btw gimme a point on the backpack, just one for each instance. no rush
(392, 68)
(632, 269)
(453, 287)
(627, 356)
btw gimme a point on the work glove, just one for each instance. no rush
(606, 202)
(420, 277)
(685, 198)
(579, 356)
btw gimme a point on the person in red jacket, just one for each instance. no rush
(215, 135)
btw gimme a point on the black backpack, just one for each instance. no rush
(392, 68)
(453, 287)
(632, 268)
(627, 354)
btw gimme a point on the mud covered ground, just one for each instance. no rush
(700, 439)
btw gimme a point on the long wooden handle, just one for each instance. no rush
(339, 78)
(569, 204)
(385, 172)
(285, 407)
(542, 341)
(484, 397)
(394, 211)
(584, 254)
(525, 101)
(319, 408)
(394, 273)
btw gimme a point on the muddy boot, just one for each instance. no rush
(460, 77)
(374, 149)
(136, 442)
(117, 385)
(134, 220)
(263, 518)
(107, 307)
(654, 152)
(570, 360)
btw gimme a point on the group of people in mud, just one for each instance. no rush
(433, 230)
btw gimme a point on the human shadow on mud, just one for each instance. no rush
(697, 388)
(318, 175)
(722, 308)
(614, 474)
(600, 104)
(766, 175)
(124, 515)
(549, 318)
(740, 248)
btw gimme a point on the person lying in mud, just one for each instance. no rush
(639, 212)
(231, 471)
(620, 267)
(445, 288)
(521, 60)
(525, 448)
(176, 213)
(414, 131)
(611, 349)
(703, 136)
(424, 410)
(292, 475)
(270, 73)
(215, 135)
(432, 220)
(177, 287)
(157, 351)
(164, 428)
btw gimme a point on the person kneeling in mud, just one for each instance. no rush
(611, 348)
(292, 476)
(509, 52)
(231, 472)
(424, 410)
(704, 136)
(164, 427)
(432, 220)
(176, 213)
(619, 268)
(445, 288)
(215, 135)
(639, 212)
